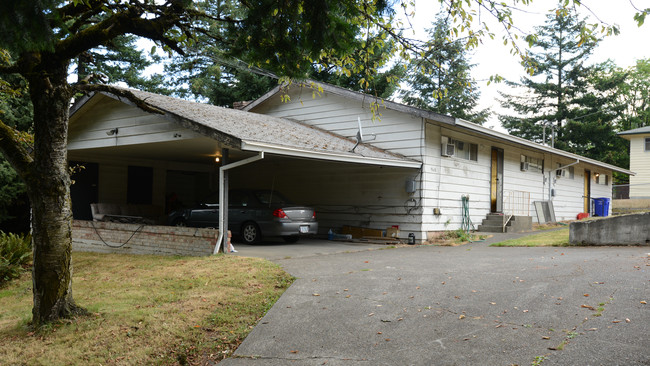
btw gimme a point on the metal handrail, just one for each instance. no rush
(516, 203)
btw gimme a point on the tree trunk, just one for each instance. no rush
(48, 185)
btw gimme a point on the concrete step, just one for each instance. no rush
(494, 223)
(490, 228)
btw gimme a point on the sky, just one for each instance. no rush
(492, 57)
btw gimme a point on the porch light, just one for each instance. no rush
(217, 159)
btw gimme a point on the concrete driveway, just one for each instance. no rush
(277, 249)
(466, 305)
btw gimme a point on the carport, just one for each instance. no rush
(137, 157)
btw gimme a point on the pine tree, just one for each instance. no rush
(552, 94)
(440, 80)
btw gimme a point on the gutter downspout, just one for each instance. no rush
(222, 195)
(550, 177)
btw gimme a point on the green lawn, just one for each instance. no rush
(554, 238)
(144, 310)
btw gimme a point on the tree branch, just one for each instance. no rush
(16, 154)
(131, 21)
(120, 93)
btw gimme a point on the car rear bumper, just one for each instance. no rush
(290, 228)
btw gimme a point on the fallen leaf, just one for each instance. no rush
(371, 314)
(545, 337)
(586, 295)
(643, 302)
(461, 316)
(587, 307)
(627, 320)
(293, 351)
(493, 303)
(616, 321)
(378, 332)
(592, 329)
(315, 294)
(387, 339)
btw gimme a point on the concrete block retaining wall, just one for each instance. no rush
(617, 230)
(109, 237)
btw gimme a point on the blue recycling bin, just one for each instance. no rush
(601, 206)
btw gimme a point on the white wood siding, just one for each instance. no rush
(447, 179)
(640, 164)
(396, 132)
(89, 127)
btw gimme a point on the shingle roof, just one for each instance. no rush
(256, 129)
(636, 131)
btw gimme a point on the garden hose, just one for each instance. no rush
(466, 225)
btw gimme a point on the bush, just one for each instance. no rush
(15, 254)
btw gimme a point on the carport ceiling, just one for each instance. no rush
(196, 150)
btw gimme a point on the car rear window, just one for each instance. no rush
(271, 198)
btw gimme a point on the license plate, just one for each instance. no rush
(304, 229)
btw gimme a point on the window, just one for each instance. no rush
(459, 149)
(139, 186)
(530, 164)
(566, 172)
(602, 179)
(647, 144)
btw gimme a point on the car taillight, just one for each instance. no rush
(280, 213)
(313, 216)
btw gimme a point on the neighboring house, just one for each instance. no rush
(639, 161)
(414, 173)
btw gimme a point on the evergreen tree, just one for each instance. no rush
(440, 80)
(552, 95)
(592, 129)
(119, 60)
(634, 95)
(222, 70)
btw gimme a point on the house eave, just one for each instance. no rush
(255, 146)
(529, 144)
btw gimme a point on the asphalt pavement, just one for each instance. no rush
(466, 305)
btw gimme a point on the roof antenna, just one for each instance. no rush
(360, 137)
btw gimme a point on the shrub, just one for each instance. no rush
(15, 254)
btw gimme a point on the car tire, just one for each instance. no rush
(250, 233)
(290, 239)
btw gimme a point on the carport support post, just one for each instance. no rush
(223, 196)
(225, 159)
